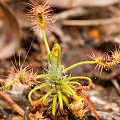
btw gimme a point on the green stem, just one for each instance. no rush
(36, 88)
(69, 88)
(67, 92)
(43, 76)
(77, 64)
(53, 106)
(46, 95)
(79, 77)
(74, 82)
(7, 87)
(46, 43)
(59, 52)
(50, 58)
(12, 83)
(60, 99)
(65, 100)
(80, 98)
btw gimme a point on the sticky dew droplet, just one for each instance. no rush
(45, 17)
(32, 17)
(39, 11)
(53, 20)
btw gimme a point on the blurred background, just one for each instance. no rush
(80, 27)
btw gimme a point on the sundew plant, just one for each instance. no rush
(58, 89)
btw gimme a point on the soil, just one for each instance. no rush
(77, 41)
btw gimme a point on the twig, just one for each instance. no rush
(75, 12)
(115, 10)
(65, 38)
(107, 115)
(27, 111)
(115, 83)
(12, 103)
(4, 114)
(83, 3)
(91, 22)
(111, 75)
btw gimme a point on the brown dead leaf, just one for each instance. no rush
(83, 3)
(17, 117)
(10, 32)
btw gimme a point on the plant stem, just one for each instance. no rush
(66, 91)
(79, 77)
(12, 103)
(74, 82)
(46, 43)
(91, 107)
(65, 100)
(43, 76)
(60, 99)
(6, 87)
(46, 95)
(69, 88)
(59, 53)
(53, 106)
(36, 88)
(77, 64)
